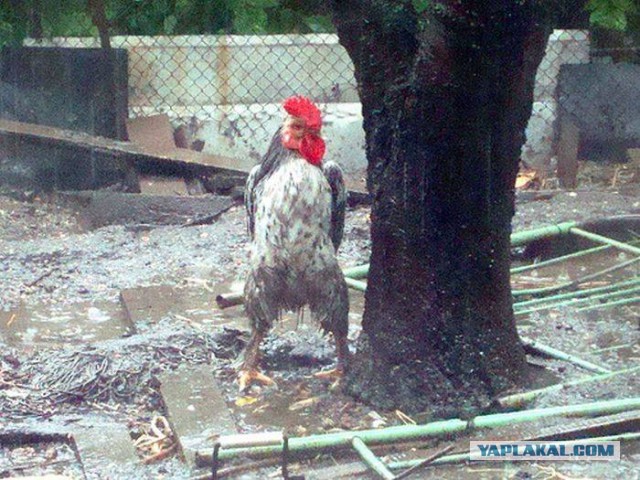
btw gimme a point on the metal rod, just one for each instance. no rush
(617, 303)
(578, 281)
(560, 355)
(522, 238)
(371, 460)
(578, 301)
(518, 399)
(563, 258)
(577, 293)
(606, 240)
(356, 284)
(401, 433)
(358, 272)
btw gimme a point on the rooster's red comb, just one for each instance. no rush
(303, 108)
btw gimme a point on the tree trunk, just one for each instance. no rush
(99, 19)
(446, 96)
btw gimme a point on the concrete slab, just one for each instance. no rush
(197, 410)
(100, 440)
(56, 324)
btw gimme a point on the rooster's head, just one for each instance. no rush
(301, 129)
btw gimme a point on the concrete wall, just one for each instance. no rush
(564, 47)
(228, 89)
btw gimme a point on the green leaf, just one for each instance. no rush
(250, 21)
(612, 14)
(169, 24)
(420, 5)
(319, 23)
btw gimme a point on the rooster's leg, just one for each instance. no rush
(342, 352)
(248, 372)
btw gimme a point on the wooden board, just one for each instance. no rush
(129, 152)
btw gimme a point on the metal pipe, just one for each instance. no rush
(518, 399)
(371, 460)
(577, 301)
(577, 293)
(606, 240)
(563, 258)
(560, 355)
(617, 303)
(323, 442)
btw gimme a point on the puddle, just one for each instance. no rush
(57, 324)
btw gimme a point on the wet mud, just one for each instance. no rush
(91, 320)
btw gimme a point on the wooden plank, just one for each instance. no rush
(57, 136)
(131, 152)
(197, 410)
(568, 140)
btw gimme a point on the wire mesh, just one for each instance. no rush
(228, 88)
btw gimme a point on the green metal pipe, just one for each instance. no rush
(560, 355)
(525, 292)
(356, 284)
(606, 240)
(577, 301)
(402, 433)
(522, 238)
(577, 293)
(614, 347)
(578, 281)
(358, 272)
(563, 258)
(617, 303)
(517, 239)
(518, 399)
(371, 460)
(464, 457)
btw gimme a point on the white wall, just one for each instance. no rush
(229, 89)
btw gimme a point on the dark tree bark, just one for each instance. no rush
(446, 95)
(100, 20)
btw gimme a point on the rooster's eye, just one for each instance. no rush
(297, 127)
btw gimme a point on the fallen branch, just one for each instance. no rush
(40, 278)
(208, 219)
(423, 463)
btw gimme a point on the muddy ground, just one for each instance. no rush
(93, 321)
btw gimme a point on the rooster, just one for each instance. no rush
(295, 208)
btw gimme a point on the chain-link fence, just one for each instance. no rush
(226, 90)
